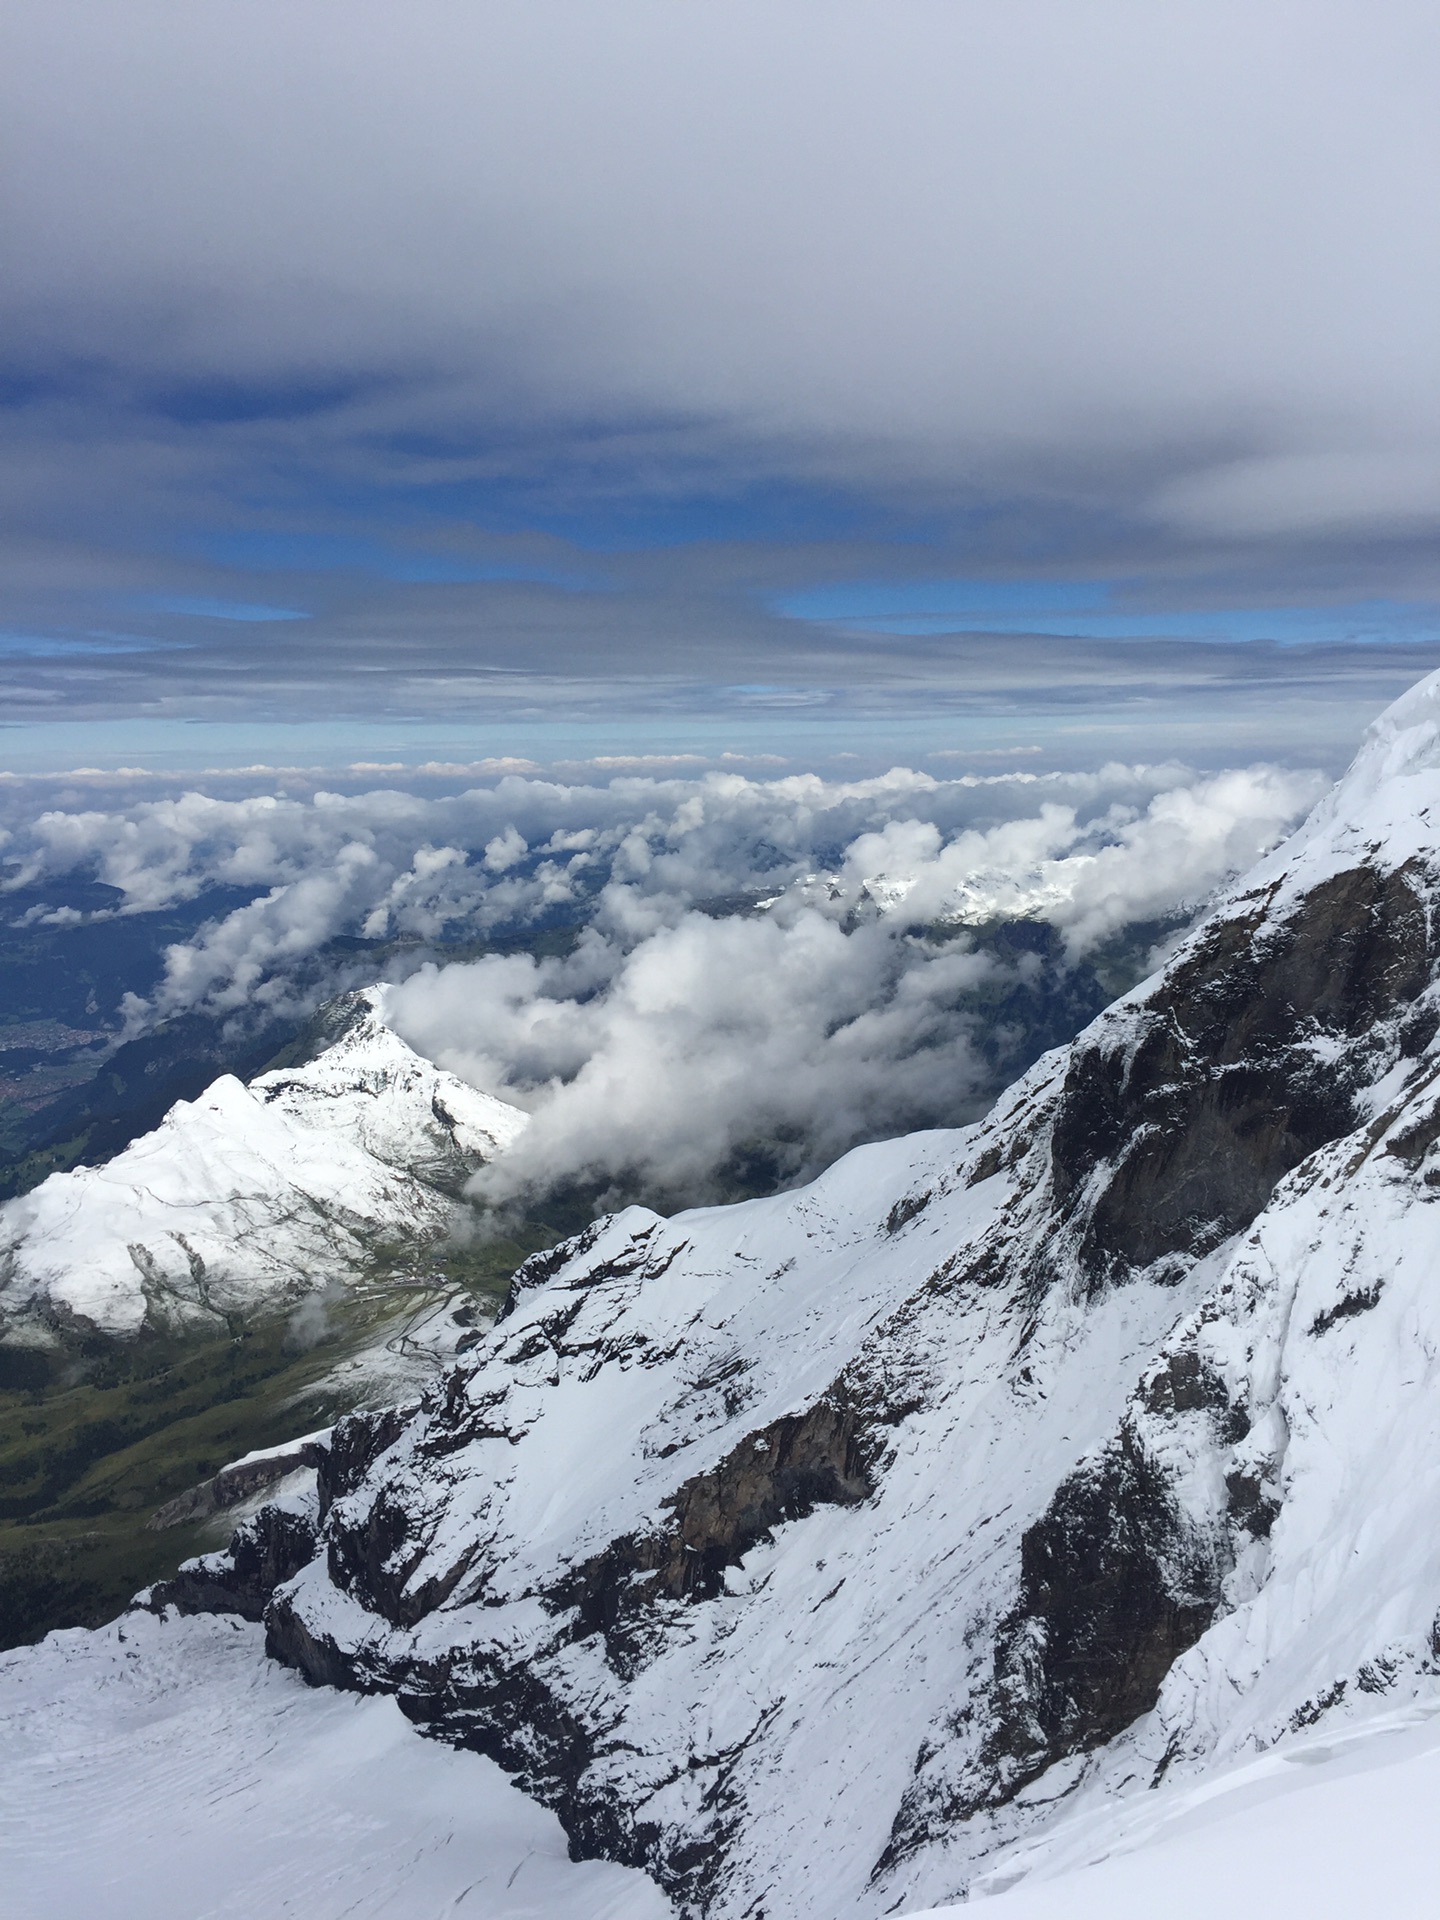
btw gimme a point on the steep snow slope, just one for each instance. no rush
(819, 1554)
(168, 1771)
(1318, 1830)
(255, 1194)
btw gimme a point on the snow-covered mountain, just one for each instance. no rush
(825, 1555)
(256, 1194)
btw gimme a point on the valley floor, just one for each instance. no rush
(165, 1770)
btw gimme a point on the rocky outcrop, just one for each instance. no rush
(1114, 1586)
(242, 1481)
(782, 1472)
(263, 1553)
(1245, 1057)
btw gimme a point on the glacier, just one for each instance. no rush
(168, 1771)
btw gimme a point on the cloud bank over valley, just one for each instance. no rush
(690, 983)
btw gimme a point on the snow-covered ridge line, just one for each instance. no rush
(816, 1553)
(253, 1195)
(242, 1479)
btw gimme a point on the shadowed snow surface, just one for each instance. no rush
(166, 1770)
(1322, 1829)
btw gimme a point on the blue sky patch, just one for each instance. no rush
(52, 646)
(202, 607)
(262, 552)
(1086, 610)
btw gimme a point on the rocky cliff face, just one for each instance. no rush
(811, 1553)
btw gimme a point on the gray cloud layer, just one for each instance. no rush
(1103, 288)
(944, 235)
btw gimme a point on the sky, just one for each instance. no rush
(827, 383)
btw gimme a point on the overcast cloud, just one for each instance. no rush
(464, 357)
(941, 238)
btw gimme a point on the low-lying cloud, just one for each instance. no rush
(850, 1006)
(692, 971)
(710, 1039)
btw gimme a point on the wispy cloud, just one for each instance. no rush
(1094, 610)
(201, 607)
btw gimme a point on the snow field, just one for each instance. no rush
(164, 1769)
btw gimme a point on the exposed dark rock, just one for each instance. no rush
(1115, 1585)
(1253, 1505)
(511, 1715)
(507, 1711)
(263, 1553)
(1412, 1143)
(367, 1560)
(1199, 1100)
(325, 1028)
(1360, 1301)
(987, 1166)
(543, 1266)
(1316, 1708)
(904, 1211)
(356, 1442)
(315, 1657)
(780, 1473)
(1185, 1384)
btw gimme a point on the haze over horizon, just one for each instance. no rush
(836, 384)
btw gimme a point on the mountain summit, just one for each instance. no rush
(251, 1196)
(819, 1554)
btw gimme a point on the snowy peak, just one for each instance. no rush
(1384, 813)
(366, 1086)
(251, 1196)
(813, 1552)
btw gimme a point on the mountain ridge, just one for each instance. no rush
(990, 1427)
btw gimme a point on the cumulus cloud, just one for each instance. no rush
(737, 967)
(710, 1039)
(1089, 852)
(841, 1004)
(1089, 877)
